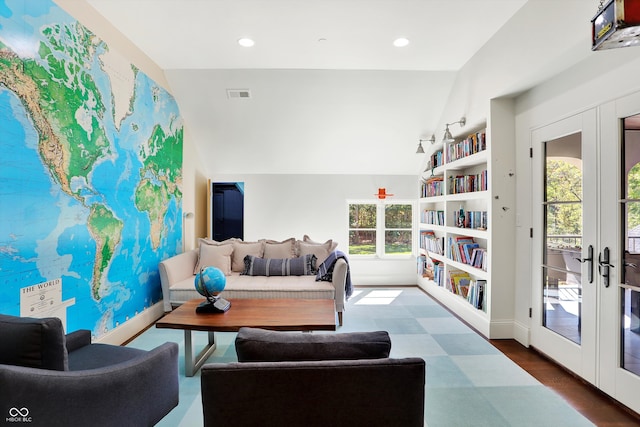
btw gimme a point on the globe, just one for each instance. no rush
(210, 281)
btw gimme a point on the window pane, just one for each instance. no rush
(362, 242)
(397, 242)
(362, 216)
(398, 216)
(564, 176)
(564, 224)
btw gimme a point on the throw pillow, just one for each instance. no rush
(216, 256)
(242, 249)
(308, 239)
(206, 243)
(284, 249)
(259, 345)
(300, 266)
(321, 251)
(32, 342)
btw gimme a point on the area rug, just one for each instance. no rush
(468, 381)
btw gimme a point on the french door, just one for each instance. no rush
(586, 251)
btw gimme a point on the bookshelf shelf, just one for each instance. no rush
(488, 223)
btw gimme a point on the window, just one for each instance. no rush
(381, 228)
(362, 229)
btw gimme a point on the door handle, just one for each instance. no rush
(589, 259)
(604, 265)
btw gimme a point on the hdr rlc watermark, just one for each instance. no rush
(18, 415)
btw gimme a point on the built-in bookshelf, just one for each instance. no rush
(466, 216)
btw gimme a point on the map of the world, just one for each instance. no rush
(90, 173)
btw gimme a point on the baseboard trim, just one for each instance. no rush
(501, 329)
(522, 333)
(132, 327)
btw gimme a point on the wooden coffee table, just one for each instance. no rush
(273, 314)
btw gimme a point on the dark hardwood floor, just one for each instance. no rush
(599, 408)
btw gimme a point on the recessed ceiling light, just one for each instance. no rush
(401, 42)
(246, 42)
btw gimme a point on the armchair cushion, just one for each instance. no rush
(259, 345)
(33, 343)
(96, 356)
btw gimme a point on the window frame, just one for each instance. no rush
(381, 227)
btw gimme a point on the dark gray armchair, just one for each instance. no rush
(51, 379)
(319, 380)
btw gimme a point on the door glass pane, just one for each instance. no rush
(562, 286)
(630, 303)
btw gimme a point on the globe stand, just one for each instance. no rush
(213, 304)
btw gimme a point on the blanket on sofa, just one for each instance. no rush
(325, 271)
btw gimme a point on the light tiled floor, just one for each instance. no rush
(469, 382)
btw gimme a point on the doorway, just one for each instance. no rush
(586, 256)
(564, 301)
(227, 210)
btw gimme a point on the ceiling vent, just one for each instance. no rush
(238, 93)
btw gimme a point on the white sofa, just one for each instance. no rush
(177, 273)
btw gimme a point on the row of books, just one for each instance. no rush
(465, 250)
(438, 273)
(468, 183)
(474, 143)
(456, 281)
(432, 243)
(476, 295)
(432, 217)
(470, 219)
(433, 186)
(460, 283)
(435, 160)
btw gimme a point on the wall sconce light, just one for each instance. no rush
(420, 150)
(447, 134)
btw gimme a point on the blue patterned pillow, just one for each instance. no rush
(301, 266)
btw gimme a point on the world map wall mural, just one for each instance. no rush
(90, 173)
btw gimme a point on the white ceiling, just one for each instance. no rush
(330, 93)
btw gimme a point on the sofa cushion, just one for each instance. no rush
(320, 250)
(242, 249)
(211, 254)
(300, 266)
(259, 345)
(216, 256)
(32, 342)
(284, 249)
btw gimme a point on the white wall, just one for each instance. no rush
(282, 206)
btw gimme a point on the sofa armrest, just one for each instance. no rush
(339, 279)
(174, 270)
(77, 339)
(138, 392)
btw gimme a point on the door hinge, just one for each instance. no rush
(530, 312)
(531, 232)
(531, 152)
